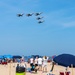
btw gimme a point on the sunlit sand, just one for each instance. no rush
(10, 69)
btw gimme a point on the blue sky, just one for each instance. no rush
(25, 36)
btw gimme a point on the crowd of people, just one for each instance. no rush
(39, 64)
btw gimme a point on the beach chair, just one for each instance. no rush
(4, 63)
(61, 73)
(67, 73)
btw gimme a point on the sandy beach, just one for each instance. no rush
(10, 69)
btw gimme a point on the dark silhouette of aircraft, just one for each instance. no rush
(38, 18)
(36, 14)
(20, 15)
(40, 21)
(29, 14)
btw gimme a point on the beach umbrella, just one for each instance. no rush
(1, 57)
(28, 57)
(34, 56)
(65, 60)
(7, 56)
(17, 56)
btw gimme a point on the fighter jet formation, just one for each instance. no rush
(37, 14)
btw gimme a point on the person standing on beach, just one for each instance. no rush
(40, 63)
(23, 64)
(36, 61)
(31, 62)
(45, 64)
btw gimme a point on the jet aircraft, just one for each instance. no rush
(40, 21)
(30, 14)
(20, 15)
(37, 14)
(38, 18)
